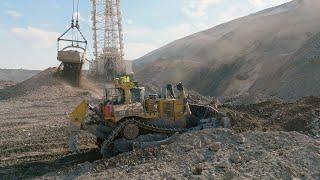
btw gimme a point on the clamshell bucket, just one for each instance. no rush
(75, 51)
(71, 56)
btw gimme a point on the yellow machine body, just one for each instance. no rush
(149, 108)
(79, 113)
(171, 110)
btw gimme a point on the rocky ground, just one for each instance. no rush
(259, 144)
(212, 154)
(302, 116)
(33, 126)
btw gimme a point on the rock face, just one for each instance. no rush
(274, 48)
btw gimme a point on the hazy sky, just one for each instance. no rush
(29, 28)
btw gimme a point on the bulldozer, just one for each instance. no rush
(126, 112)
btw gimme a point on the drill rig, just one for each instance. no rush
(127, 113)
(108, 48)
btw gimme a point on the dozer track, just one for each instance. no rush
(150, 127)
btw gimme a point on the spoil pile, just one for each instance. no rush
(33, 85)
(47, 84)
(247, 98)
(34, 126)
(301, 116)
(212, 153)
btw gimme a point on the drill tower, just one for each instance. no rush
(107, 40)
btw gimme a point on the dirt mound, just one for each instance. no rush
(45, 78)
(247, 98)
(47, 84)
(34, 125)
(302, 116)
(196, 98)
(211, 154)
(240, 122)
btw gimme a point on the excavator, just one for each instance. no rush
(126, 112)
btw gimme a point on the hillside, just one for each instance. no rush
(16, 75)
(244, 55)
(298, 75)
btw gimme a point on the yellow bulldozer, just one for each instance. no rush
(126, 112)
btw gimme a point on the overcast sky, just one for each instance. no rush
(29, 28)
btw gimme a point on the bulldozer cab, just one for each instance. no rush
(115, 96)
(137, 94)
(124, 92)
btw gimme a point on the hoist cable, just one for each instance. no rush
(73, 10)
(78, 10)
(77, 21)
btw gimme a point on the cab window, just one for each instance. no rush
(115, 96)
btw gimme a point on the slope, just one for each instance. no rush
(232, 58)
(299, 76)
(16, 75)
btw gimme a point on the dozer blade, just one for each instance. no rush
(79, 114)
(203, 112)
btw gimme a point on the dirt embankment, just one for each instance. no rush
(302, 116)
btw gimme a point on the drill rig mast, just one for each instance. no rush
(108, 60)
